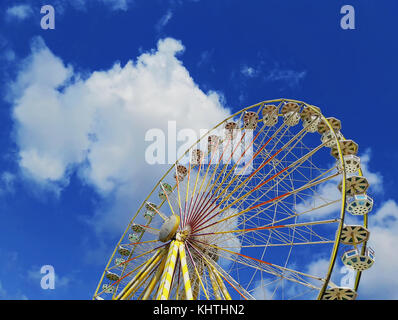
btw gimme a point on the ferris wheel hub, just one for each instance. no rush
(184, 234)
(169, 228)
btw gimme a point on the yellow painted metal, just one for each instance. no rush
(196, 288)
(178, 192)
(143, 277)
(168, 272)
(214, 283)
(196, 182)
(140, 281)
(185, 272)
(154, 189)
(199, 280)
(342, 213)
(139, 256)
(342, 210)
(133, 282)
(156, 278)
(168, 200)
(187, 191)
(221, 284)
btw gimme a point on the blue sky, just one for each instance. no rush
(59, 204)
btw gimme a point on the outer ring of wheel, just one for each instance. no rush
(343, 196)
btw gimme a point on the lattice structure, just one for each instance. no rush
(248, 214)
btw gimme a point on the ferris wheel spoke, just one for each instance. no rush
(298, 140)
(271, 268)
(157, 211)
(269, 227)
(126, 262)
(143, 266)
(178, 192)
(223, 274)
(237, 162)
(167, 198)
(197, 272)
(294, 215)
(140, 278)
(194, 189)
(292, 166)
(217, 165)
(141, 242)
(216, 168)
(203, 180)
(281, 239)
(273, 201)
(125, 276)
(280, 244)
(314, 182)
(273, 272)
(241, 228)
(187, 192)
(251, 191)
(225, 166)
(155, 279)
(244, 168)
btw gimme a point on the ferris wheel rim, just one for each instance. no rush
(343, 193)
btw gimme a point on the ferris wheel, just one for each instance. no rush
(247, 212)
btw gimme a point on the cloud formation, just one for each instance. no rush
(380, 281)
(95, 126)
(19, 12)
(164, 20)
(275, 73)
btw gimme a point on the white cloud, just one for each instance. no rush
(263, 290)
(318, 268)
(20, 12)
(35, 275)
(375, 179)
(325, 193)
(3, 292)
(291, 77)
(7, 181)
(164, 20)
(8, 55)
(61, 6)
(248, 71)
(380, 281)
(6, 295)
(117, 4)
(205, 58)
(96, 126)
(328, 192)
(273, 73)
